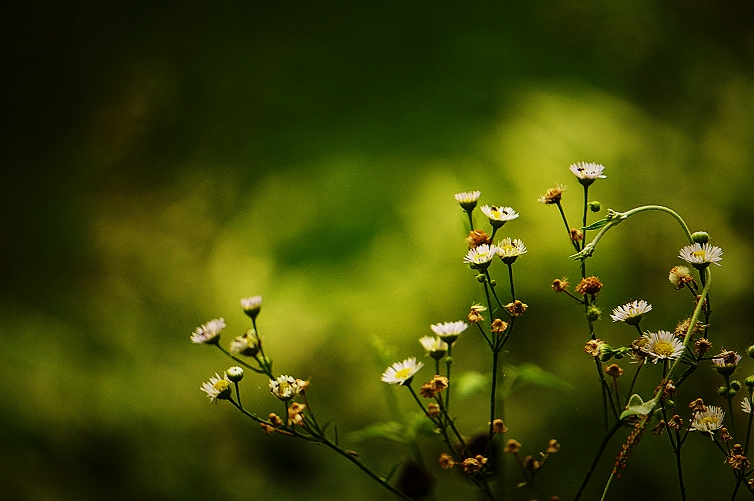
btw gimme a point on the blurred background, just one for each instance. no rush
(164, 160)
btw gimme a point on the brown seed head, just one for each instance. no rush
(679, 276)
(275, 420)
(576, 235)
(512, 447)
(697, 406)
(553, 195)
(498, 325)
(433, 410)
(657, 430)
(473, 465)
(682, 328)
(475, 314)
(446, 461)
(702, 346)
(477, 238)
(589, 285)
(560, 284)
(295, 414)
(531, 464)
(552, 446)
(725, 436)
(614, 370)
(427, 390)
(675, 422)
(498, 426)
(516, 308)
(593, 347)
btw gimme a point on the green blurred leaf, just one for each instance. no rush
(470, 383)
(518, 377)
(637, 406)
(390, 430)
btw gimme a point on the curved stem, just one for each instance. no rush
(596, 460)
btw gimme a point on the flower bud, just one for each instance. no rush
(750, 351)
(749, 382)
(593, 313)
(480, 278)
(235, 373)
(595, 206)
(722, 391)
(731, 393)
(735, 385)
(700, 237)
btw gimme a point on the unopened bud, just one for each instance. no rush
(700, 237)
(593, 313)
(595, 206)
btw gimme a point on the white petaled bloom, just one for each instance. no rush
(721, 362)
(252, 305)
(436, 347)
(480, 256)
(631, 312)
(401, 372)
(285, 387)
(468, 199)
(708, 421)
(701, 255)
(217, 388)
(208, 333)
(662, 345)
(498, 216)
(679, 275)
(509, 249)
(449, 331)
(746, 405)
(587, 172)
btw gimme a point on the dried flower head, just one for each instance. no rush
(594, 347)
(208, 333)
(275, 420)
(737, 460)
(473, 465)
(657, 430)
(701, 255)
(285, 387)
(295, 414)
(509, 249)
(680, 276)
(516, 308)
(432, 388)
(433, 410)
(498, 325)
(552, 195)
(247, 344)
(446, 461)
(498, 216)
(475, 313)
(468, 199)
(576, 235)
(402, 372)
(589, 285)
(217, 388)
(614, 370)
(708, 421)
(587, 172)
(498, 426)
(553, 447)
(662, 345)
(697, 406)
(675, 422)
(725, 435)
(477, 238)
(702, 346)
(560, 284)
(631, 313)
(269, 430)
(683, 327)
(531, 464)
(512, 447)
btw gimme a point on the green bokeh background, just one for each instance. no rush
(163, 160)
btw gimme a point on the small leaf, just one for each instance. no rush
(391, 431)
(469, 383)
(637, 406)
(597, 224)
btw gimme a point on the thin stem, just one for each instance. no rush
(493, 391)
(245, 364)
(586, 204)
(510, 278)
(471, 220)
(633, 381)
(617, 426)
(567, 227)
(448, 363)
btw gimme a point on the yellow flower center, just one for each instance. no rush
(508, 248)
(663, 348)
(700, 254)
(403, 373)
(709, 421)
(221, 385)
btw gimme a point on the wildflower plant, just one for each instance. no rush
(667, 358)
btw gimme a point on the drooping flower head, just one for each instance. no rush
(436, 347)
(708, 421)
(662, 345)
(480, 256)
(285, 387)
(468, 199)
(475, 313)
(449, 331)
(631, 312)
(701, 255)
(509, 249)
(498, 216)
(208, 333)
(401, 372)
(680, 276)
(248, 344)
(587, 172)
(217, 388)
(251, 306)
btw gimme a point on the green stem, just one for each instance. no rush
(617, 426)
(510, 278)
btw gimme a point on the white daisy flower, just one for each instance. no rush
(662, 345)
(246, 344)
(587, 172)
(217, 388)
(401, 372)
(498, 216)
(480, 256)
(631, 312)
(449, 331)
(509, 249)
(746, 405)
(208, 333)
(252, 305)
(285, 387)
(708, 421)
(701, 255)
(468, 199)
(434, 345)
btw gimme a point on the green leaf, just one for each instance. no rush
(597, 224)
(637, 406)
(470, 383)
(518, 377)
(390, 430)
